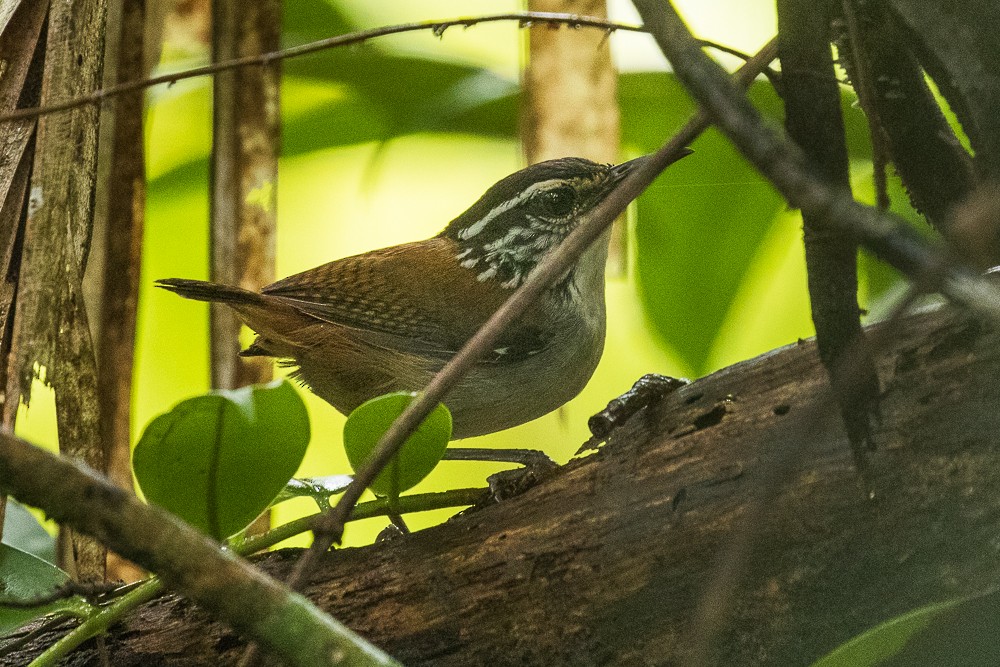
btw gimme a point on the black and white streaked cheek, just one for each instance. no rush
(511, 256)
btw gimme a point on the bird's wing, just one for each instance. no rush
(433, 310)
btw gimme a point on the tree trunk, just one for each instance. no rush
(607, 561)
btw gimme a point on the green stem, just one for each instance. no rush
(105, 616)
(99, 622)
(420, 502)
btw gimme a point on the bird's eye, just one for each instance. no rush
(559, 201)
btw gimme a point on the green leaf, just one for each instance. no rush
(959, 632)
(217, 461)
(700, 225)
(26, 577)
(416, 458)
(703, 226)
(22, 531)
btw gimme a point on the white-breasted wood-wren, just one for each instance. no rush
(389, 319)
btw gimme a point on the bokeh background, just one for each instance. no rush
(387, 142)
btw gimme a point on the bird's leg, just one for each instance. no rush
(507, 483)
(529, 458)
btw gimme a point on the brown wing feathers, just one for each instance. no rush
(382, 297)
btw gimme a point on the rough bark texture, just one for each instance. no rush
(20, 29)
(122, 243)
(604, 562)
(51, 338)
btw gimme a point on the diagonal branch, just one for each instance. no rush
(784, 164)
(329, 527)
(191, 563)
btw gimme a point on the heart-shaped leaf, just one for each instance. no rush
(416, 458)
(217, 461)
(26, 577)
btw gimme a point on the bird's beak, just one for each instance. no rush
(625, 168)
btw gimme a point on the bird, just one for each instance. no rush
(387, 320)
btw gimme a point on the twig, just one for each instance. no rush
(419, 502)
(813, 119)
(329, 527)
(438, 27)
(118, 235)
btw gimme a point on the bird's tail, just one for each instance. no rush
(201, 290)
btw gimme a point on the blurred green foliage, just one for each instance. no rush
(26, 577)
(22, 529)
(956, 633)
(383, 145)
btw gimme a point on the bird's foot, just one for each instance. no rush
(507, 483)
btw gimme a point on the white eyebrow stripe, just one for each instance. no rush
(502, 208)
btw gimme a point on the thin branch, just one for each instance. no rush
(813, 119)
(419, 502)
(120, 235)
(329, 527)
(860, 74)
(438, 27)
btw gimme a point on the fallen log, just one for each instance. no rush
(744, 474)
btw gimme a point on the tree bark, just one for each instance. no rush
(51, 336)
(606, 561)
